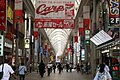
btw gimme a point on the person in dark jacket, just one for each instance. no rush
(54, 67)
(42, 68)
(67, 67)
(59, 67)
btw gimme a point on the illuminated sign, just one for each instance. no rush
(115, 68)
(114, 11)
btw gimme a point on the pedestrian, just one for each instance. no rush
(37, 67)
(22, 70)
(42, 68)
(49, 68)
(7, 70)
(70, 67)
(78, 67)
(106, 68)
(102, 74)
(67, 67)
(30, 68)
(54, 67)
(59, 67)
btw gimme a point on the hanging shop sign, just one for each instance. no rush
(9, 36)
(1, 45)
(2, 15)
(35, 33)
(8, 45)
(10, 14)
(54, 14)
(19, 11)
(114, 12)
(27, 43)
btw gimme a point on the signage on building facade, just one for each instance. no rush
(8, 45)
(10, 13)
(2, 15)
(1, 45)
(114, 12)
(27, 43)
(54, 14)
(18, 10)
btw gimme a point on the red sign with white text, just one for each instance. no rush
(54, 14)
(2, 15)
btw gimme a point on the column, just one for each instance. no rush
(25, 37)
(30, 38)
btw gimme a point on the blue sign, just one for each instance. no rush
(41, 50)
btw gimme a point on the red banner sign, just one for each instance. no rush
(75, 38)
(2, 15)
(81, 32)
(86, 24)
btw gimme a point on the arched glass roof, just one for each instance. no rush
(58, 39)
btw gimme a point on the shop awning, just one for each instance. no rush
(100, 38)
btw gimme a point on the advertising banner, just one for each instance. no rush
(114, 12)
(2, 15)
(18, 11)
(54, 14)
(81, 32)
(36, 33)
(86, 24)
(54, 23)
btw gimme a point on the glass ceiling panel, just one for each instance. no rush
(58, 39)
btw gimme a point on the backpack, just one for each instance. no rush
(1, 73)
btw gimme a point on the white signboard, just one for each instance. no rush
(54, 9)
(54, 13)
(18, 4)
(1, 45)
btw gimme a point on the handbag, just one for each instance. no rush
(1, 73)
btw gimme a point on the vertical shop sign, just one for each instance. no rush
(1, 45)
(114, 12)
(86, 24)
(2, 15)
(18, 10)
(75, 38)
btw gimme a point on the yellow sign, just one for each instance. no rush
(10, 13)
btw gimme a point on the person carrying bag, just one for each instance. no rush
(102, 74)
(6, 71)
(22, 70)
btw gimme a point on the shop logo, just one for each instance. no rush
(44, 9)
(114, 7)
(114, 11)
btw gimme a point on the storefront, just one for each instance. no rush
(110, 54)
(8, 49)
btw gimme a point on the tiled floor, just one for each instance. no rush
(56, 76)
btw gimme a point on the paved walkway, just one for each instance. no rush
(56, 76)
